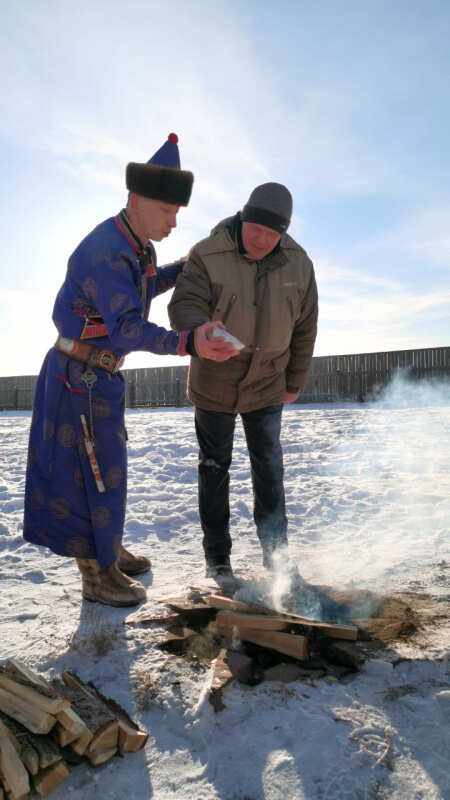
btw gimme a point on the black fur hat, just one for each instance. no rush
(172, 186)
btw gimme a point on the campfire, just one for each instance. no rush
(246, 640)
(250, 642)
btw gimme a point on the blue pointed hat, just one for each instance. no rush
(168, 155)
(161, 178)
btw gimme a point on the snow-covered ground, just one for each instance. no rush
(368, 495)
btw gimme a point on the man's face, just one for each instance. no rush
(258, 240)
(152, 219)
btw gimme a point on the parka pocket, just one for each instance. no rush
(224, 303)
(293, 304)
(281, 313)
(237, 316)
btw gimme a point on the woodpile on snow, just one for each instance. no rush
(46, 728)
(244, 641)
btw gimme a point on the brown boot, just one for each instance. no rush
(125, 581)
(109, 585)
(130, 564)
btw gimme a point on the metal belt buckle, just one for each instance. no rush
(106, 360)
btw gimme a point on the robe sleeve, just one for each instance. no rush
(111, 288)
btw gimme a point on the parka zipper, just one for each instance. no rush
(229, 307)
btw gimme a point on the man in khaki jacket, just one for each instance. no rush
(253, 278)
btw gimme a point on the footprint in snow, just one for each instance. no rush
(35, 576)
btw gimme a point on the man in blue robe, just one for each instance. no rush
(76, 481)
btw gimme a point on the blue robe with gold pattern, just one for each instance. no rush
(106, 294)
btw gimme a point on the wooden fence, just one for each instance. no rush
(350, 377)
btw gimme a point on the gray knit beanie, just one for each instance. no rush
(270, 205)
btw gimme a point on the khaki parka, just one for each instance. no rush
(270, 305)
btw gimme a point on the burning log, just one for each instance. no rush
(228, 666)
(291, 645)
(195, 612)
(284, 622)
(178, 643)
(281, 631)
(259, 622)
(218, 601)
(343, 653)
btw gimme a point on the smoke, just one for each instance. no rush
(379, 500)
(405, 391)
(283, 589)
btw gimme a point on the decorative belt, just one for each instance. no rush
(90, 354)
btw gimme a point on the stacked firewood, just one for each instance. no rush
(45, 727)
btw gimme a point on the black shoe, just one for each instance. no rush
(219, 570)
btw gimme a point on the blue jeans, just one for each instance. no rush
(215, 433)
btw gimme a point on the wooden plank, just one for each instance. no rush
(259, 622)
(130, 737)
(32, 718)
(12, 738)
(218, 601)
(130, 740)
(64, 736)
(23, 738)
(286, 643)
(50, 778)
(105, 738)
(47, 750)
(69, 719)
(282, 621)
(101, 756)
(49, 704)
(16, 667)
(12, 770)
(79, 746)
(72, 680)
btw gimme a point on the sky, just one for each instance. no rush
(348, 104)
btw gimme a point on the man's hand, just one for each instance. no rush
(290, 398)
(215, 349)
